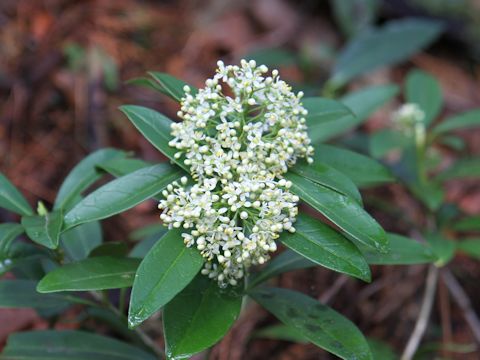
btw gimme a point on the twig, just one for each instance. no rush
(328, 295)
(446, 319)
(425, 310)
(463, 301)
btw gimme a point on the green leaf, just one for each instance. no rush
(83, 175)
(44, 230)
(111, 248)
(288, 260)
(424, 90)
(466, 120)
(431, 194)
(8, 233)
(381, 350)
(354, 16)
(114, 322)
(471, 223)
(366, 101)
(144, 82)
(96, 273)
(362, 170)
(163, 273)
(11, 199)
(443, 249)
(318, 323)
(324, 246)
(143, 247)
(280, 332)
(198, 317)
(455, 142)
(470, 247)
(120, 167)
(22, 294)
(20, 255)
(122, 194)
(155, 127)
(69, 344)
(170, 85)
(80, 240)
(327, 118)
(403, 251)
(390, 44)
(461, 169)
(327, 176)
(341, 210)
(384, 141)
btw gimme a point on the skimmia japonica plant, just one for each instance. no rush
(245, 153)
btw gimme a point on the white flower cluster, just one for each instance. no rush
(261, 130)
(237, 147)
(409, 119)
(408, 116)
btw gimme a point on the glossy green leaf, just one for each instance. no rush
(198, 317)
(354, 16)
(318, 323)
(470, 247)
(80, 240)
(69, 344)
(466, 120)
(83, 175)
(384, 141)
(22, 294)
(123, 166)
(170, 85)
(402, 251)
(366, 101)
(329, 177)
(155, 127)
(423, 89)
(288, 260)
(470, 223)
(111, 248)
(163, 273)
(347, 214)
(280, 332)
(390, 44)
(11, 199)
(461, 169)
(443, 248)
(327, 118)
(122, 194)
(44, 229)
(96, 273)
(324, 246)
(8, 233)
(362, 170)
